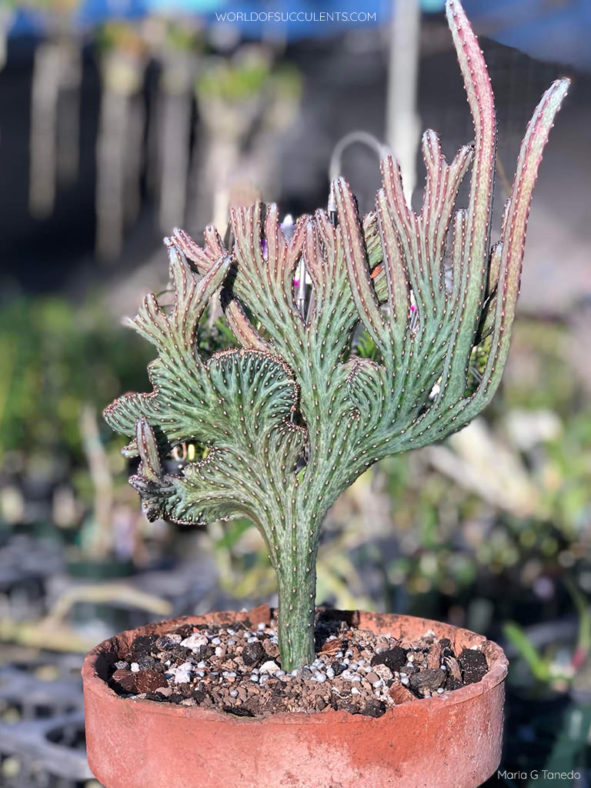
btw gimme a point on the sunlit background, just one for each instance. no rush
(121, 119)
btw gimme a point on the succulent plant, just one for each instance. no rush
(283, 424)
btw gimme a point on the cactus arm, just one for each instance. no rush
(405, 223)
(212, 489)
(175, 334)
(355, 257)
(240, 325)
(437, 226)
(177, 375)
(270, 276)
(508, 257)
(371, 238)
(203, 257)
(474, 269)
(396, 273)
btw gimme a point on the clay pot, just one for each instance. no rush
(451, 740)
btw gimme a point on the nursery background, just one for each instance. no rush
(121, 120)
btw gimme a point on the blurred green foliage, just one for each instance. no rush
(551, 667)
(55, 357)
(247, 76)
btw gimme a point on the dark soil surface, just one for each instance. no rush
(237, 670)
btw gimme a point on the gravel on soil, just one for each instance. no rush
(237, 670)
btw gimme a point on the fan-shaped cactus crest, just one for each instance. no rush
(294, 415)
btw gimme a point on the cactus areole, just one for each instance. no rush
(293, 415)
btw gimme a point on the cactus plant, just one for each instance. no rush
(286, 421)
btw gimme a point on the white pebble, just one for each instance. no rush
(261, 626)
(254, 677)
(349, 676)
(182, 674)
(134, 667)
(219, 651)
(269, 667)
(233, 693)
(194, 641)
(355, 691)
(215, 641)
(440, 691)
(319, 677)
(201, 665)
(404, 681)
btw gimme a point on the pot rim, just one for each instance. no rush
(96, 685)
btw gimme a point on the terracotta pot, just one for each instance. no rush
(451, 740)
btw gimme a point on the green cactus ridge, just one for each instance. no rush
(294, 415)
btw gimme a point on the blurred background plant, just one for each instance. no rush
(116, 127)
(59, 467)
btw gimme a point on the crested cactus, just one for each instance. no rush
(293, 415)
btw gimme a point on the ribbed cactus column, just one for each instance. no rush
(296, 589)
